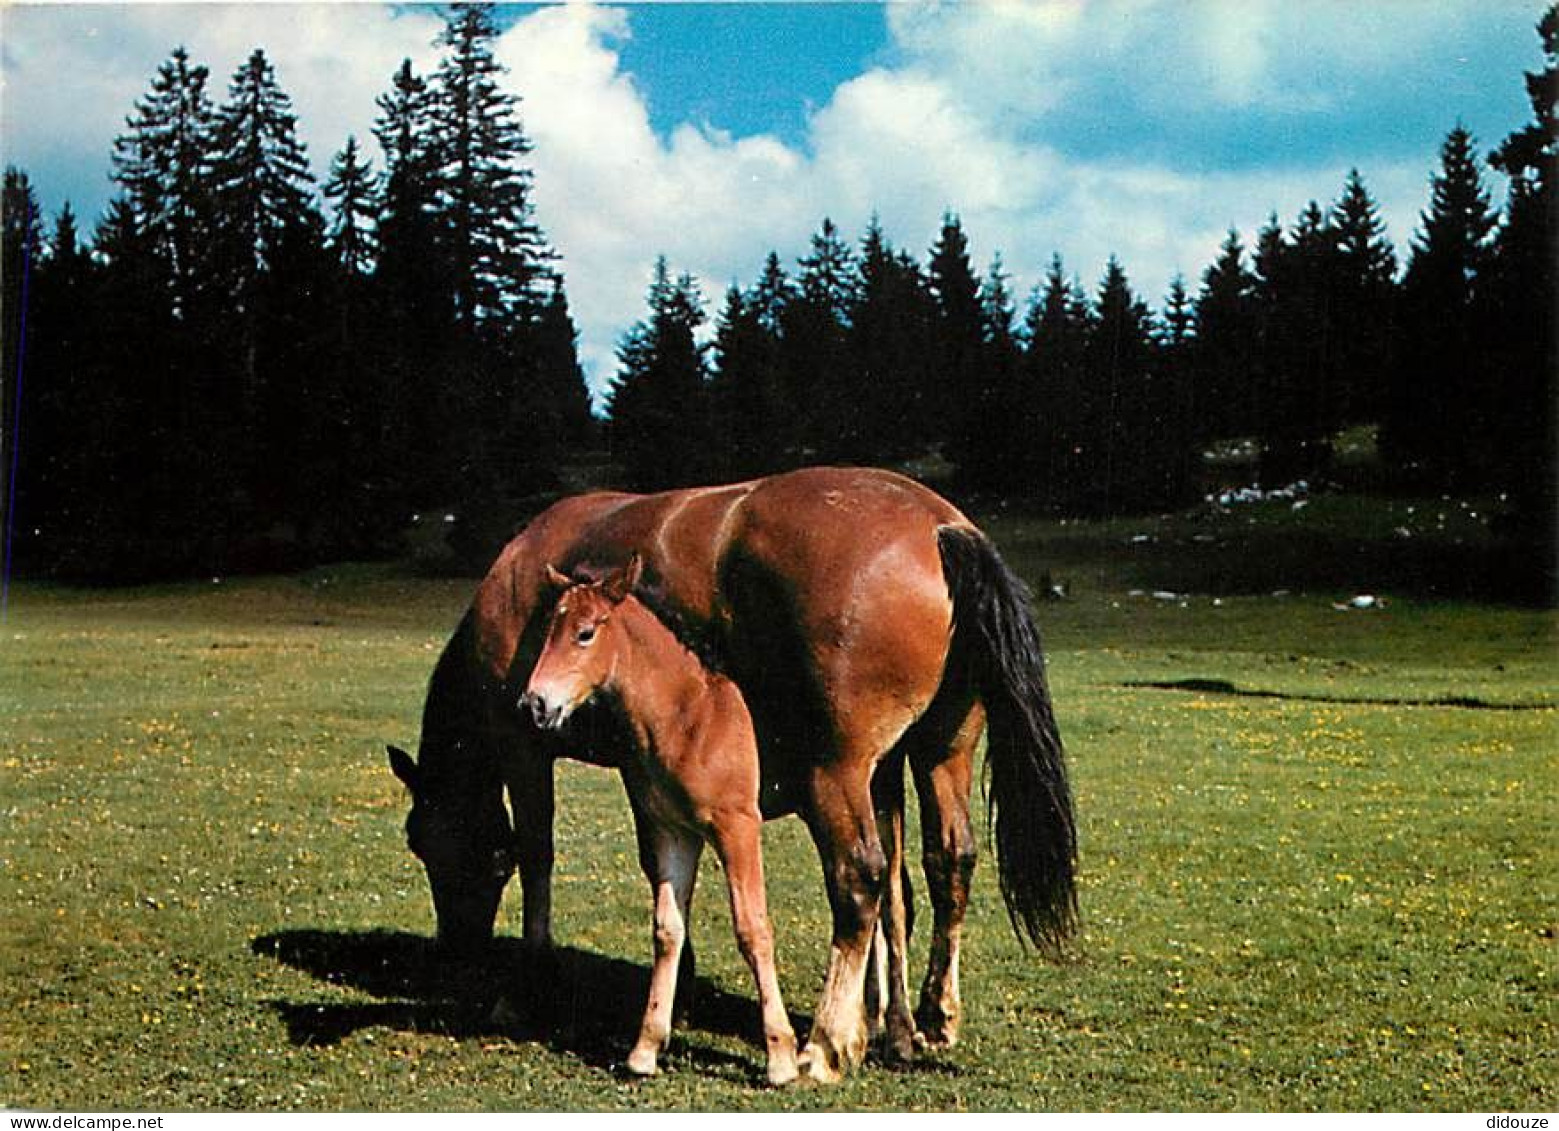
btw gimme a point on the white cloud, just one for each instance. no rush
(332, 59)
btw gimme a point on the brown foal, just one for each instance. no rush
(695, 777)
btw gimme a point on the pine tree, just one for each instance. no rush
(1516, 311)
(164, 167)
(754, 420)
(414, 303)
(1119, 435)
(1057, 329)
(890, 351)
(560, 380)
(1434, 402)
(261, 169)
(1177, 379)
(1364, 283)
(958, 342)
(1299, 406)
(498, 257)
(351, 189)
(658, 407)
(991, 446)
(1226, 336)
(813, 335)
(21, 247)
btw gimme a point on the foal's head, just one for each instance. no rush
(580, 652)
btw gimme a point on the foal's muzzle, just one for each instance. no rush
(548, 716)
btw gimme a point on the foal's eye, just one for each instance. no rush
(585, 635)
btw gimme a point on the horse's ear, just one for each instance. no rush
(625, 580)
(402, 765)
(554, 579)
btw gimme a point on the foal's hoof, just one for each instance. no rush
(642, 1064)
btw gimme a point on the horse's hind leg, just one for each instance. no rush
(943, 781)
(670, 861)
(888, 975)
(738, 840)
(844, 827)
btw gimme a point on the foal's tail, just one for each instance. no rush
(1028, 800)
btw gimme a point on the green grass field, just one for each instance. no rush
(1318, 857)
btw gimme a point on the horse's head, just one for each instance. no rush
(581, 643)
(459, 829)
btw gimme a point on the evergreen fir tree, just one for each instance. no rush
(1299, 405)
(889, 351)
(1225, 349)
(164, 167)
(498, 256)
(1177, 378)
(1119, 442)
(958, 343)
(1516, 310)
(746, 402)
(351, 190)
(414, 303)
(1435, 404)
(658, 406)
(814, 325)
(1057, 329)
(991, 446)
(260, 170)
(21, 247)
(1364, 302)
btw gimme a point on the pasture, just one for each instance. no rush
(1318, 856)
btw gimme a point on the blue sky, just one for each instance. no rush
(711, 134)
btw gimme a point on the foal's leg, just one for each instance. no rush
(943, 780)
(891, 950)
(670, 860)
(844, 825)
(737, 839)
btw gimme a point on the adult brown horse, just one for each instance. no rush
(869, 625)
(694, 776)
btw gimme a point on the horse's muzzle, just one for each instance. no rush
(548, 716)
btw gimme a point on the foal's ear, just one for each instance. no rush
(625, 580)
(403, 767)
(554, 579)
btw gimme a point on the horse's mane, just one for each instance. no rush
(698, 638)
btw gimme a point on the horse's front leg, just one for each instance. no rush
(528, 773)
(669, 858)
(738, 840)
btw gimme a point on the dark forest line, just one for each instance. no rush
(241, 367)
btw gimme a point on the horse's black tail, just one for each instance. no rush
(1028, 800)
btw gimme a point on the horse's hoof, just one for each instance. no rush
(934, 1040)
(642, 1064)
(782, 1072)
(898, 1048)
(817, 1067)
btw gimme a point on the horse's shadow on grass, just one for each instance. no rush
(585, 1004)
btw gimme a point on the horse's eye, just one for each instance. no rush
(585, 635)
